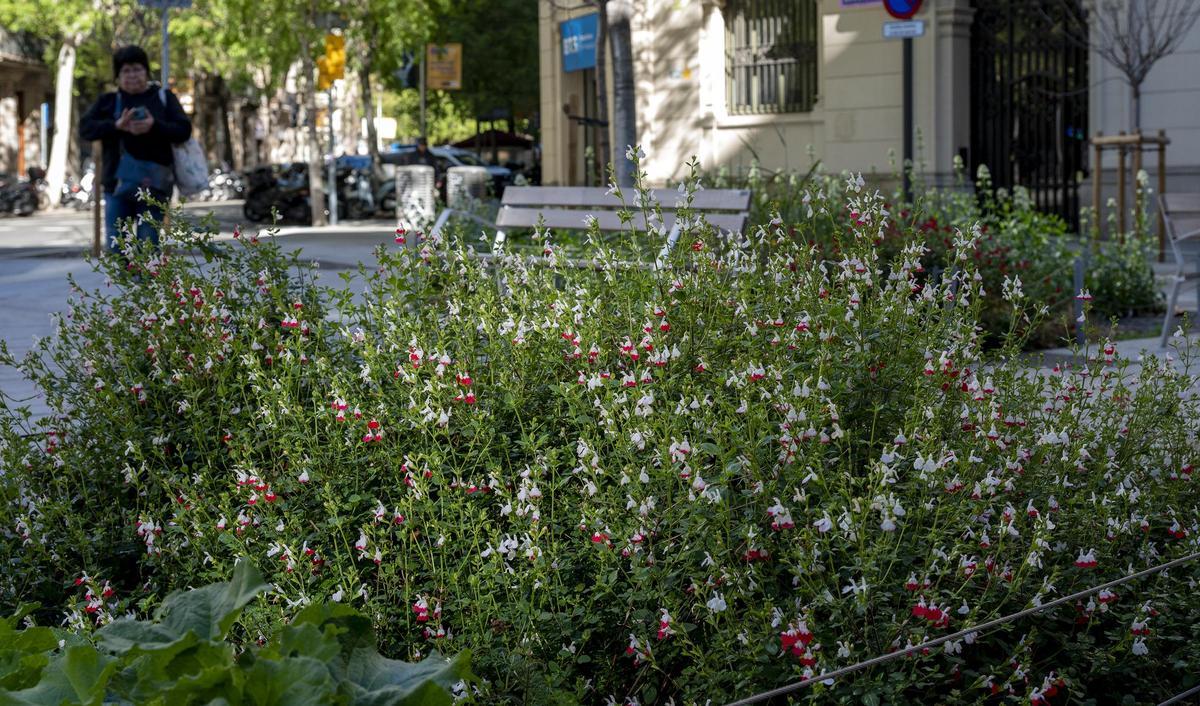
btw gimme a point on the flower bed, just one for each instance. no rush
(1016, 241)
(692, 483)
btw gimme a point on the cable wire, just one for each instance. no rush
(796, 686)
(1177, 699)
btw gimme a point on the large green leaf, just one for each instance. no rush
(207, 613)
(129, 635)
(306, 640)
(211, 610)
(21, 670)
(294, 681)
(77, 676)
(200, 667)
(377, 680)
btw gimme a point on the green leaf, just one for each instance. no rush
(306, 640)
(160, 673)
(378, 680)
(207, 612)
(298, 681)
(129, 635)
(21, 670)
(77, 676)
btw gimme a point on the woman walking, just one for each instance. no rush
(137, 124)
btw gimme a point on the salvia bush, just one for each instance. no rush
(623, 482)
(1016, 240)
(325, 655)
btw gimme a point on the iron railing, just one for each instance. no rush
(771, 56)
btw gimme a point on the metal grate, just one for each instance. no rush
(1029, 99)
(770, 56)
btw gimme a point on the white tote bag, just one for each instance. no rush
(191, 168)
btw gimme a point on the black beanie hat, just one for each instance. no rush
(130, 55)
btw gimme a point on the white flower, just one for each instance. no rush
(1139, 647)
(717, 603)
(824, 524)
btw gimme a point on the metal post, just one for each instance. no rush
(1138, 197)
(424, 60)
(1097, 176)
(1162, 188)
(97, 195)
(908, 117)
(165, 46)
(333, 203)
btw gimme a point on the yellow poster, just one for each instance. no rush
(443, 66)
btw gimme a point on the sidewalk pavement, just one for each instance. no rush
(33, 279)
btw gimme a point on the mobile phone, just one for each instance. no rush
(139, 113)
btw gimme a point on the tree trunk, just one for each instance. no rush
(64, 100)
(1137, 107)
(602, 144)
(316, 181)
(364, 77)
(624, 106)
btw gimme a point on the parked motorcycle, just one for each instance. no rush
(285, 188)
(17, 197)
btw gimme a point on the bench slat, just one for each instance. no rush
(598, 197)
(510, 217)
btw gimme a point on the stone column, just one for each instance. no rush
(951, 123)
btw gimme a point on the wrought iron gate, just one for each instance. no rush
(1029, 98)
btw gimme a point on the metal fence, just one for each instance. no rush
(771, 56)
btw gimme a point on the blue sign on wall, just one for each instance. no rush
(579, 42)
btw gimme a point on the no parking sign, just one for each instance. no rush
(902, 9)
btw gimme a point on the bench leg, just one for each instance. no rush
(441, 222)
(672, 238)
(1174, 297)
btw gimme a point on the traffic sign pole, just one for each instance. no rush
(904, 10)
(165, 46)
(333, 195)
(908, 117)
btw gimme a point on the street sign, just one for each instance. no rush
(444, 66)
(902, 9)
(579, 42)
(163, 4)
(905, 29)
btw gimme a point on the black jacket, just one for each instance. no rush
(171, 126)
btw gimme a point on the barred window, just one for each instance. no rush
(770, 56)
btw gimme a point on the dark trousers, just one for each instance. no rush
(118, 210)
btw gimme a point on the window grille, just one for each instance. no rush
(770, 56)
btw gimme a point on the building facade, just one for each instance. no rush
(1008, 83)
(24, 87)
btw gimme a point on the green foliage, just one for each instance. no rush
(326, 655)
(712, 476)
(1018, 243)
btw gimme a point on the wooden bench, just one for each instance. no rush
(569, 208)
